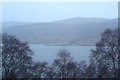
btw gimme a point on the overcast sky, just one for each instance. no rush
(46, 12)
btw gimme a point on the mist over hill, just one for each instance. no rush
(72, 31)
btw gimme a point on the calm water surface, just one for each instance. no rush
(49, 53)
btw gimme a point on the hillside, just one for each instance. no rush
(73, 31)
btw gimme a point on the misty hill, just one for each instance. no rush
(11, 24)
(81, 20)
(74, 31)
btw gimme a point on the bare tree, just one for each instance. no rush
(63, 65)
(91, 70)
(106, 54)
(15, 55)
(81, 69)
(39, 70)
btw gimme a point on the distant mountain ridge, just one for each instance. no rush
(81, 20)
(73, 31)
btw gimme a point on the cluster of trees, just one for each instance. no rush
(104, 61)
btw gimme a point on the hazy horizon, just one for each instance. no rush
(48, 12)
(63, 19)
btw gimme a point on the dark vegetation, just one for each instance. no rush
(104, 61)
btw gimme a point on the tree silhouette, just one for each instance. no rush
(15, 55)
(63, 64)
(106, 54)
